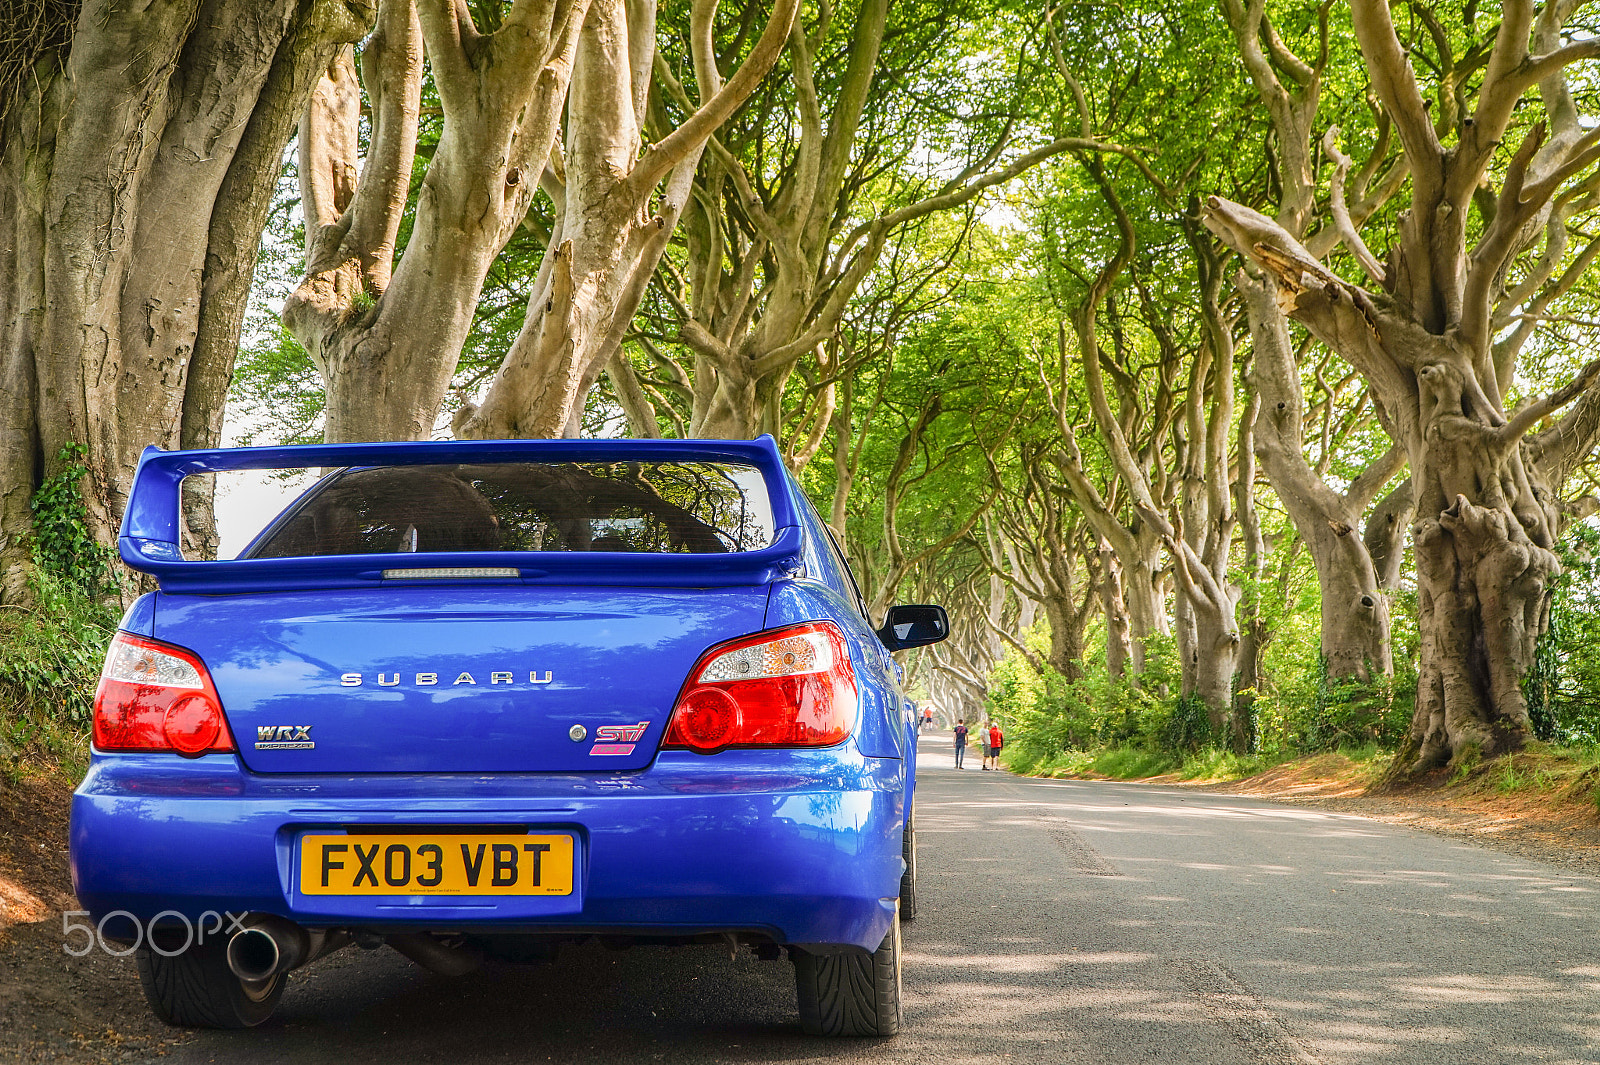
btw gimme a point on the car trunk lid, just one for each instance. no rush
(454, 679)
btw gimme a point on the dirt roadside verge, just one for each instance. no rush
(1550, 817)
(53, 1007)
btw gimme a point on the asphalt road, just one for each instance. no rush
(1061, 921)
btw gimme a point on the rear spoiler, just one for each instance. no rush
(152, 524)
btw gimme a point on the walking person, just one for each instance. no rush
(961, 743)
(997, 740)
(983, 740)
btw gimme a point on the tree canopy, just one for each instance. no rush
(1224, 368)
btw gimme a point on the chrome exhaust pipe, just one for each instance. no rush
(254, 954)
(267, 945)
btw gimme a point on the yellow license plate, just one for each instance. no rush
(436, 865)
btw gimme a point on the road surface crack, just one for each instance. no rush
(1084, 857)
(1256, 1028)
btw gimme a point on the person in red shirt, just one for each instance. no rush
(996, 741)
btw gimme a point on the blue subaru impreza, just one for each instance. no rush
(485, 698)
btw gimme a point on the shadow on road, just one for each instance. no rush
(1062, 922)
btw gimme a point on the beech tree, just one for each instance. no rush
(936, 443)
(910, 284)
(387, 335)
(1202, 544)
(1189, 511)
(1098, 424)
(790, 212)
(1042, 556)
(983, 613)
(1354, 571)
(1128, 546)
(607, 242)
(1436, 327)
(139, 147)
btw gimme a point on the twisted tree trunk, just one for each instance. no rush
(386, 337)
(608, 239)
(1355, 611)
(1254, 632)
(135, 175)
(1202, 547)
(1040, 561)
(1129, 550)
(1486, 495)
(1120, 645)
(1355, 615)
(1487, 509)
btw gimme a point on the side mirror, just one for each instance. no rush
(913, 626)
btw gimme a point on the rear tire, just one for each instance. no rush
(196, 989)
(851, 994)
(908, 879)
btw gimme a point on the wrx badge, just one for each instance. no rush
(284, 738)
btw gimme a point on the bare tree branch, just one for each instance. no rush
(1341, 214)
(1396, 85)
(692, 134)
(1535, 412)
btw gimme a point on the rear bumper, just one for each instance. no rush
(802, 846)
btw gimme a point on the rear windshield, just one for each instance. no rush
(653, 507)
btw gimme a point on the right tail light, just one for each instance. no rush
(789, 687)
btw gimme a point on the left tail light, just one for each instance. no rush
(789, 687)
(154, 696)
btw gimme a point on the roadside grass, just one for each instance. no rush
(1562, 773)
(1212, 765)
(1140, 763)
(1209, 765)
(1118, 763)
(50, 658)
(30, 748)
(1542, 773)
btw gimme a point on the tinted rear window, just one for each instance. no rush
(653, 507)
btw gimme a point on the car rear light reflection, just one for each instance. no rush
(791, 687)
(157, 697)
